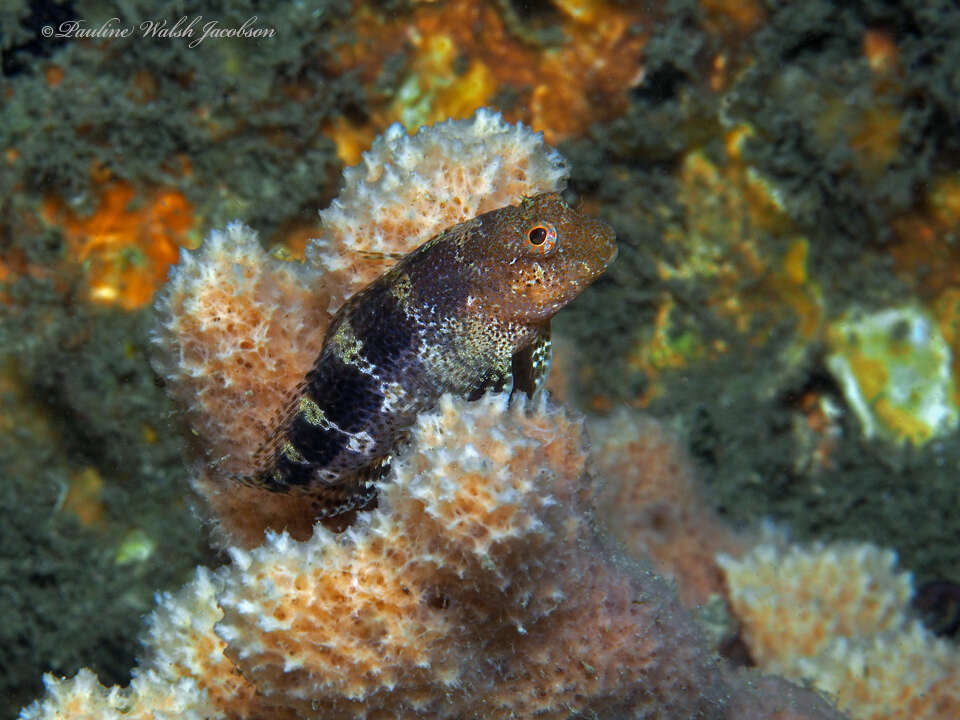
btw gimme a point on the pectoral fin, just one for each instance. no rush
(531, 365)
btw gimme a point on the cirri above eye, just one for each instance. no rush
(542, 238)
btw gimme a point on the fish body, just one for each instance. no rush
(467, 311)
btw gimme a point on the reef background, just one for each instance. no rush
(768, 168)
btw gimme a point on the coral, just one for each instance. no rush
(904, 674)
(235, 323)
(84, 697)
(836, 616)
(793, 601)
(181, 644)
(234, 290)
(184, 673)
(406, 190)
(654, 505)
(477, 588)
(474, 553)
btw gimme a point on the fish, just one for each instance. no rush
(466, 312)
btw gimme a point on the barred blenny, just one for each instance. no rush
(467, 311)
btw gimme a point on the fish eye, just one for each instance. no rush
(542, 238)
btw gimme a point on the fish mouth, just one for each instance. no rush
(606, 240)
(614, 251)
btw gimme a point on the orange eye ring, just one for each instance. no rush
(542, 238)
